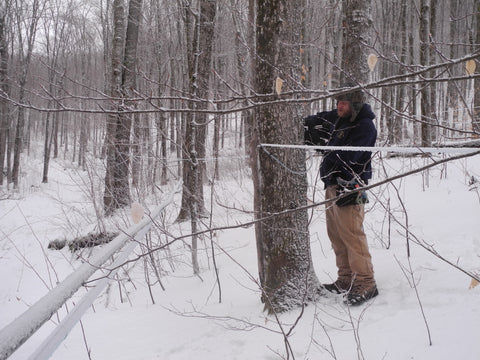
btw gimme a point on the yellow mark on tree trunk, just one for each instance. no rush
(278, 85)
(372, 61)
(470, 67)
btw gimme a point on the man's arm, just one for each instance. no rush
(317, 128)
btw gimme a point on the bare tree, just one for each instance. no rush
(476, 101)
(56, 35)
(200, 27)
(288, 277)
(4, 118)
(26, 27)
(189, 152)
(117, 188)
(118, 9)
(208, 9)
(426, 99)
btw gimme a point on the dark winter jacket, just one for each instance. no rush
(345, 132)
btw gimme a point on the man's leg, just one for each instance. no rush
(355, 241)
(334, 233)
(360, 260)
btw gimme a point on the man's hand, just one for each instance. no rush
(351, 193)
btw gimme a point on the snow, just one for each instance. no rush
(187, 320)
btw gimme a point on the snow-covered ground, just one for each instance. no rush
(421, 297)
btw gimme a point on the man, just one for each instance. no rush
(351, 124)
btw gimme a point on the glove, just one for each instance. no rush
(315, 130)
(354, 197)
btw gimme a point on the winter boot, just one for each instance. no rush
(337, 287)
(358, 295)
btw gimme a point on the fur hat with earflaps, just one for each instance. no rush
(356, 98)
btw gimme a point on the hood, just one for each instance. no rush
(364, 112)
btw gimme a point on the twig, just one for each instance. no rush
(413, 284)
(89, 351)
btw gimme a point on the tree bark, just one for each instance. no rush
(426, 100)
(136, 151)
(252, 141)
(288, 275)
(356, 32)
(4, 118)
(476, 100)
(123, 84)
(206, 38)
(188, 141)
(115, 92)
(124, 121)
(199, 41)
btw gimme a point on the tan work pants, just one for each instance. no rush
(349, 242)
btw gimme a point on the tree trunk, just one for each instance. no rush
(356, 33)
(188, 143)
(164, 157)
(18, 147)
(252, 141)
(118, 190)
(124, 121)
(25, 58)
(206, 38)
(136, 148)
(288, 275)
(56, 121)
(476, 100)
(433, 110)
(4, 119)
(400, 126)
(46, 149)
(115, 92)
(244, 66)
(199, 40)
(426, 100)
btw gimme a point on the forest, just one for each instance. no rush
(57, 60)
(140, 94)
